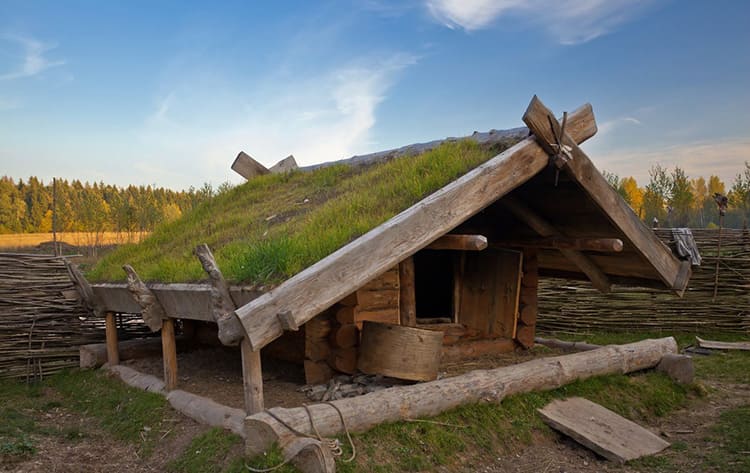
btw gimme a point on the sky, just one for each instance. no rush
(167, 93)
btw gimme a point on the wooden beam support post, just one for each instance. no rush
(542, 123)
(223, 306)
(113, 354)
(318, 287)
(151, 309)
(545, 229)
(459, 242)
(169, 353)
(407, 295)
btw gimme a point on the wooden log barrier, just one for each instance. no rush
(429, 399)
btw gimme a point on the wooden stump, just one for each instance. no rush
(400, 352)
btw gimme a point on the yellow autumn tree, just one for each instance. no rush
(633, 194)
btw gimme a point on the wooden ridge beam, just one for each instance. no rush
(674, 273)
(334, 277)
(459, 242)
(546, 229)
(612, 245)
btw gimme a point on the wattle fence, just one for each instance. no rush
(573, 307)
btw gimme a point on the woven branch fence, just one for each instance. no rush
(41, 321)
(573, 307)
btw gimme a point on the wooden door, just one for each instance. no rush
(490, 287)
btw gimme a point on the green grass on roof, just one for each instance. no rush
(276, 225)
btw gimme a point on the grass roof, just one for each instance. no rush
(276, 225)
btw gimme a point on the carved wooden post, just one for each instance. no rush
(223, 307)
(113, 355)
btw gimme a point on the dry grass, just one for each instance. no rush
(26, 240)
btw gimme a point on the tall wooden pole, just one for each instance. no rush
(252, 378)
(54, 217)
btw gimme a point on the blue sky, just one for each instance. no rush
(168, 93)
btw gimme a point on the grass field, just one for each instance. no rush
(27, 240)
(275, 225)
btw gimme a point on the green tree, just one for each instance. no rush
(681, 199)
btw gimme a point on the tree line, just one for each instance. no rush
(672, 199)
(32, 206)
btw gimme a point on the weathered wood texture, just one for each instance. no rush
(400, 352)
(317, 348)
(285, 165)
(150, 307)
(94, 355)
(252, 378)
(606, 433)
(431, 398)
(247, 167)
(169, 353)
(459, 243)
(468, 349)
(715, 345)
(545, 229)
(113, 354)
(407, 298)
(573, 307)
(490, 292)
(526, 327)
(673, 272)
(350, 267)
(613, 245)
(222, 303)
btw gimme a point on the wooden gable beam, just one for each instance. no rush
(545, 229)
(674, 273)
(459, 242)
(334, 277)
(605, 245)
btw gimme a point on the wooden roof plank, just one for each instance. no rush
(337, 275)
(671, 270)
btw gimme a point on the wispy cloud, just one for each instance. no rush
(569, 21)
(723, 158)
(322, 118)
(33, 59)
(610, 125)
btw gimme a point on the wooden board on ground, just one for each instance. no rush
(714, 345)
(606, 433)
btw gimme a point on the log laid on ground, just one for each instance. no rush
(566, 346)
(429, 399)
(400, 352)
(459, 242)
(95, 355)
(601, 430)
(151, 309)
(334, 277)
(714, 345)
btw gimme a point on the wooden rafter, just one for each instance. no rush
(546, 229)
(459, 242)
(611, 245)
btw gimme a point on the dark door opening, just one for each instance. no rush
(433, 284)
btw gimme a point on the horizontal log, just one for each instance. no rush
(95, 355)
(465, 350)
(459, 242)
(613, 245)
(429, 399)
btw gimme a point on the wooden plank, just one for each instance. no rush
(407, 295)
(400, 352)
(285, 165)
(459, 242)
(646, 243)
(179, 300)
(601, 430)
(337, 275)
(545, 229)
(714, 345)
(613, 245)
(252, 379)
(378, 299)
(110, 330)
(169, 353)
(466, 350)
(247, 167)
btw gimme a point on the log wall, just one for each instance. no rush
(572, 307)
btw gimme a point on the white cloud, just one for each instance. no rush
(723, 158)
(610, 125)
(317, 119)
(569, 21)
(34, 61)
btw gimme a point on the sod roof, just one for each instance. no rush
(276, 225)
